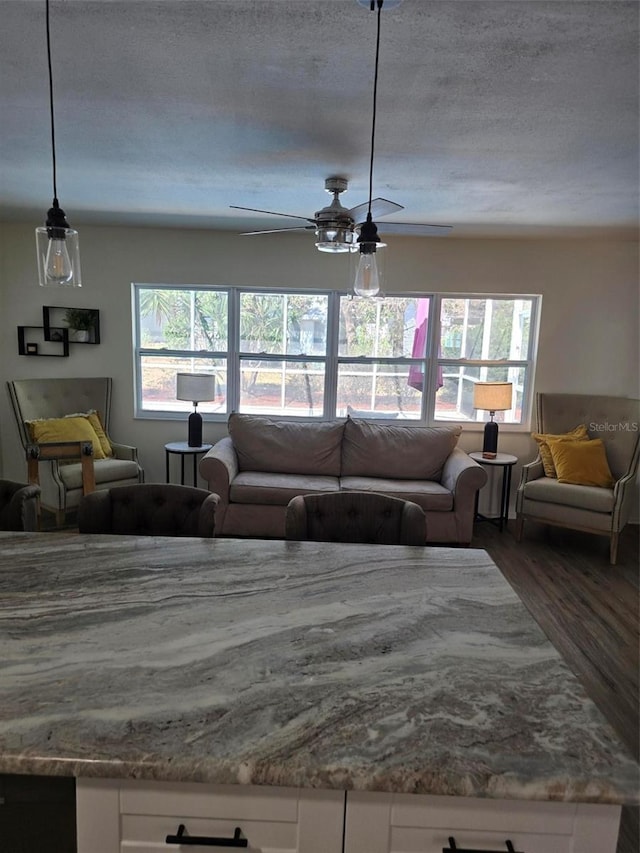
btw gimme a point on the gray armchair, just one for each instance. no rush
(18, 506)
(593, 509)
(149, 509)
(355, 517)
(61, 482)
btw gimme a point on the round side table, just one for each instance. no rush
(183, 449)
(505, 461)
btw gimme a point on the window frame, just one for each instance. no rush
(332, 360)
(437, 362)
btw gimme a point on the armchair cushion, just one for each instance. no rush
(549, 490)
(542, 440)
(583, 463)
(105, 471)
(65, 429)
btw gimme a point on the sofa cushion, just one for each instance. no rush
(260, 487)
(396, 452)
(286, 447)
(426, 493)
(549, 490)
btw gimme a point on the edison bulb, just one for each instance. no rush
(367, 282)
(58, 266)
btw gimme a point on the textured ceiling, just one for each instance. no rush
(509, 117)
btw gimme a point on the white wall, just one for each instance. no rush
(588, 333)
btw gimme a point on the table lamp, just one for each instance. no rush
(492, 397)
(196, 387)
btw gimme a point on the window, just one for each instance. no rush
(310, 354)
(484, 339)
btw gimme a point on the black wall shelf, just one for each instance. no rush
(53, 320)
(33, 344)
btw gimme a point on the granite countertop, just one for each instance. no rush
(290, 663)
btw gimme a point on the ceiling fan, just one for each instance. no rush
(337, 227)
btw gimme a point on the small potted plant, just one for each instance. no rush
(81, 322)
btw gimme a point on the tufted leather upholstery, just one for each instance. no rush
(149, 509)
(616, 420)
(18, 506)
(365, 517)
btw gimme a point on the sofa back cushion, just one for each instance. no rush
(396, 452)
(285, 447)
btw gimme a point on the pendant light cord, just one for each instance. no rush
(53, 133)
(375, 97)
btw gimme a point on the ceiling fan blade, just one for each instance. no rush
(414, 229)
(272, 212)
(279, 230)
(379, 207)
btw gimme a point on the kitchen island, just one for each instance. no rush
(158, 670)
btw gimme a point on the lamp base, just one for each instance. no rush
(195, 430)
(490, 444)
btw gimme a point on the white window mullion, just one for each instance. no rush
(331, 364)
(233, 359)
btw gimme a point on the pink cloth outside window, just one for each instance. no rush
(416, 376)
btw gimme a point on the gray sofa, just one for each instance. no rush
(262, 464)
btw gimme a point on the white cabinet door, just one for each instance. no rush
(137, 816)
(408, 823)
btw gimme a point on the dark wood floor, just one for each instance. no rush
(590, 612)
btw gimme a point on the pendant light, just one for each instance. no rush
(367, 280)
(56, 243)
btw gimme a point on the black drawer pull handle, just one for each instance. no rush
(205, 840)
(453, 849)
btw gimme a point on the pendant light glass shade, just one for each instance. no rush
(57, 244)
(58, 252)
(368, 278)
(367, 281)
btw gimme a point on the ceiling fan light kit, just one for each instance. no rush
(335, 223)
(57, 244)
(339, 229)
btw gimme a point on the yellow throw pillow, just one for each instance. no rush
(583, 463)
(578, 434)
(65, 429)
(96, 422)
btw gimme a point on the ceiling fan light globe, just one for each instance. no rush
(334, 239)
(333, 248)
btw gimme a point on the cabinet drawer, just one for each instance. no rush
(137, 816)
(389, 823)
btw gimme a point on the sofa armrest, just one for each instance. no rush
(219, 467)
(462, 476)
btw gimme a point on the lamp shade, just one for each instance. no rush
(195, 387)
(492, 396)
